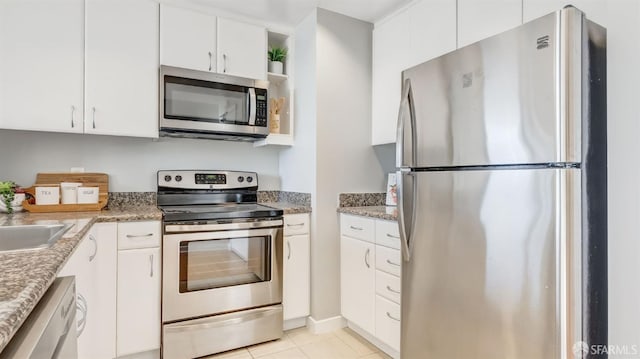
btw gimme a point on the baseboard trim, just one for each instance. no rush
(375, 341)
(325, 325)
(294, 323)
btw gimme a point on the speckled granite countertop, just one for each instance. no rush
(381, 212)
(26, 276)
(288, 207)
(367, 205)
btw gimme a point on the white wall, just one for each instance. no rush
(131, 163)
(298, 164)
(332, 152)
(623, 57)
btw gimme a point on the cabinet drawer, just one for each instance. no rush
(387, 234)
(388, 322)
(295, 224)
(388, 260)
(357, 227)
(133, 235)
(388, 286)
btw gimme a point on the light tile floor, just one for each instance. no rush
(302, 344)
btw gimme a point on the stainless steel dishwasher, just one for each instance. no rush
(50, 329)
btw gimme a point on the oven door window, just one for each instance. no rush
(221, 263)
(204, 101)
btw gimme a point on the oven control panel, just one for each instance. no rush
(211, 178)
(204, 179)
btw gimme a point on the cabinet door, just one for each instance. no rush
(187, 39)
(138, 311)
(242, 49)
(296, 277)
(479, 19)
(432, 30)
(357, 284)
(94, 266)
(102, 309)
(595, 10)
(41, 65)
(390, 57)
(121, 59)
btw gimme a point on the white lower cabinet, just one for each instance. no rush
(118, 290)
(94, 265)
(139, 278)
(138, 300)
(296, 267)
(370, 268)
(357, 284)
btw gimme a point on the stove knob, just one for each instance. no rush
(167, 178)
(178, 178)
(241, 179)
(249, 179)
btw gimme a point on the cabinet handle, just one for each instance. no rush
(210, 60)
(151, 265)
(224, 62)
(393, 264)
(139, 235)
(392, 236)
(83, 307)
(392, 317)
(95, 248)
(93, 111)
(393, 290)
(73, 110)
(356, 228)
(295, 225)
(288, 250)
(366, 257)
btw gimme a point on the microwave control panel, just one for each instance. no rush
(261, 107)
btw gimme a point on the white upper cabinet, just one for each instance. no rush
(41, 65)
(391, 49)
(595, 10)
(425, 30)
(242, 49)
(187, 39)
(121, 67)
(479, 19)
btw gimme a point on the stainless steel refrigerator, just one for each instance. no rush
(502, 200)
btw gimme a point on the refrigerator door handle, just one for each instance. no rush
(405, 134)
(406, 209)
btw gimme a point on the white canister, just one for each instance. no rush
(88, 194)
(69, 192)
(47, 195)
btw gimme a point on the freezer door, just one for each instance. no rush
(514, 98)
(494, 265)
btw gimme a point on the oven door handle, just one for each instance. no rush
(182, 228)
(223, 320)
(252, 106)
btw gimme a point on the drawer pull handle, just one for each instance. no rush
(366, 258)
(139, 235)
(356, 228)
(295, 225)
(392, 317)
(393, 290)
(393, 264)
(392, 236)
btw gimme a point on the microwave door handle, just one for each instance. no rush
(252, 106)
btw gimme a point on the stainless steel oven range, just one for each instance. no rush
(221, 263)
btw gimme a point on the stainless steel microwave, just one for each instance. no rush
(202, 104)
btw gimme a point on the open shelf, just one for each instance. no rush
(276, 79)
(276, 139)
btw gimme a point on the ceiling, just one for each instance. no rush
(291, 12)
